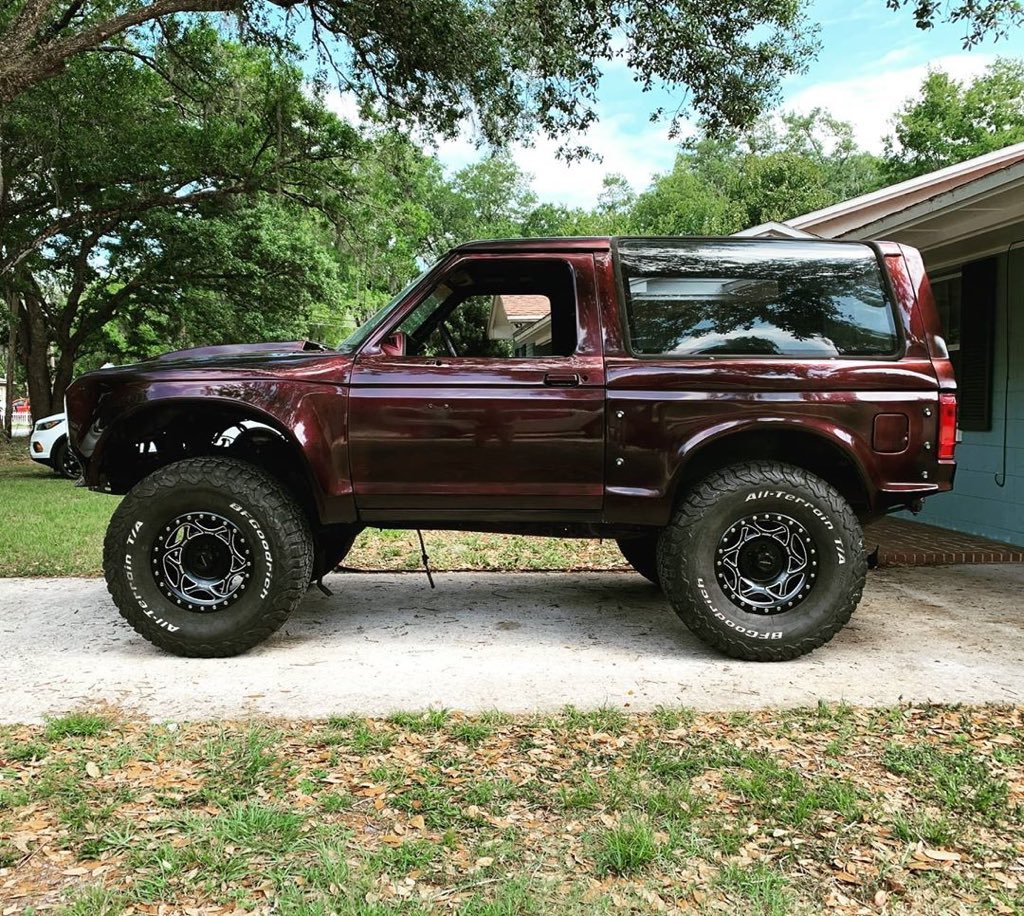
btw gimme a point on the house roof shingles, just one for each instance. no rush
(525, 308)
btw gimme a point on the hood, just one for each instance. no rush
(199, 354)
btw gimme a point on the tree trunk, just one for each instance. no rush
(12, 348)
(62, 376)
(35, 346)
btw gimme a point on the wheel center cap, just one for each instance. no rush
(766, 563)
(202, 561)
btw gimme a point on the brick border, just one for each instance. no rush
(902, 542)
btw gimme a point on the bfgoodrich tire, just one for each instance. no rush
(207, 557)
(642, 554)
(763, 561)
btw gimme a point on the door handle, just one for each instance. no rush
(562, 379)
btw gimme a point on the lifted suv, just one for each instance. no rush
(730, 411)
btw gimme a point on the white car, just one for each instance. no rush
(49, 445)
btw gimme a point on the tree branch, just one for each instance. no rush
(24, 65)
(140, 206)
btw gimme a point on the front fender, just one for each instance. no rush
(311, 416)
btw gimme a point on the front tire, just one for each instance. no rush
(763, 561)
(207, 557)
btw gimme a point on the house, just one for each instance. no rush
(525, 320)
(967, 220)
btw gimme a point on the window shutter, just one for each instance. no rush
(977, 344)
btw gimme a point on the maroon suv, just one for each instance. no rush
(731, 411)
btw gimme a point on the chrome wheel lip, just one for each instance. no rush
(782, 551)
(178, 557)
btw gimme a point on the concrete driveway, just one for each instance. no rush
(523, 642)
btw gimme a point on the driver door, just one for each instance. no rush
(441, 433)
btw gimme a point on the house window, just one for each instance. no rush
(949, 305)
(967, 309)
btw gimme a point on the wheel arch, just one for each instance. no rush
(155, 434)
(804, 444)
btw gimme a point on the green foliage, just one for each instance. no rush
(781, 169)
(512, 67)
(203, 197)
(981, 19)
(951, 121)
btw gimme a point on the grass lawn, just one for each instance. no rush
(48, 527)
(837, 809)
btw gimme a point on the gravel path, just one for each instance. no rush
(517, 642)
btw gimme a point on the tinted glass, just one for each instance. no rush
(733, 298)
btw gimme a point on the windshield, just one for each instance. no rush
(354, 340)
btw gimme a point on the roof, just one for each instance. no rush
(773, 230)
(524, 307)
(872, 213)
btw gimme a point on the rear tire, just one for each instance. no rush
(763, 561)
(207, 557)
(642, 554)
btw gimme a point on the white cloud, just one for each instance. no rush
(627, 144)
(344, 105)
(869, 101)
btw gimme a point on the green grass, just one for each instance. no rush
(258, 826)
(959, 781)
(625, 849)
(762, 889)
(420, 722)
(76, 725)
(49, 527)
(583, 812)
(239, 764)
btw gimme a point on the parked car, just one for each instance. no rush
(48, 445)
(732, 411)
(21, 417)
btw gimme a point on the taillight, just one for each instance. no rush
(947, 426)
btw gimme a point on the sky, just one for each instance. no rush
(871, 60)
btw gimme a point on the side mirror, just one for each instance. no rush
(394, 344)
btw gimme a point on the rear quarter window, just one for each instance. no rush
(736, 298)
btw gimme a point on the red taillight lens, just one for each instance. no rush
(947, 426)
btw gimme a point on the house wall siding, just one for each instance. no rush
(978, 505)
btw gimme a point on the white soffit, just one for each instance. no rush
(900, 205)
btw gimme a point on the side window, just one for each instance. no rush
(497, 308)
(733, 298)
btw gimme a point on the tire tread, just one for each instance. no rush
(677, 538)
(245, 482)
